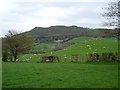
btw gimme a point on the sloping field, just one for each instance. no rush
(83, 47)
(33, 74)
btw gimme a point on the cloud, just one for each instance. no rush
(67, 0)
(25, 15)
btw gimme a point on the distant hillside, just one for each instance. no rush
(83, 47)
(62, 32)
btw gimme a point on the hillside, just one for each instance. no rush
(62, 32)
(57, 31)
(81, 47)
(95, 45)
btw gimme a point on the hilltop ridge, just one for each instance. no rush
(43, 34)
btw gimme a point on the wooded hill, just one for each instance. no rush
(62, 32)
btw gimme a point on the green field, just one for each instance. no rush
(0, 73)
(60, 75)
(33, 74)
(80, 47)
(45, 47)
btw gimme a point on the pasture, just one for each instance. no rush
(45, 47)
(60, 75)
(82, 46)
(31, 73)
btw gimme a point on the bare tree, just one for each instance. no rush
(17, 43)
(112, 13)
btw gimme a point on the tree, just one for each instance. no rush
(4, 55)
(112, 13)
(16, 43)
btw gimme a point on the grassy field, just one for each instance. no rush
(80, 39)
(34, 74)
(46, 47)
(60, 75)
(0, 73)
(95, 45)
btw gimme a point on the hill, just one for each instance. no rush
(81, 48)
(62, 32)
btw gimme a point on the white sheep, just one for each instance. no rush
(65, 56)
(88, 45)
(90, 48)
(47, 60)
(95, 49)
(104, 47)
(17, 59)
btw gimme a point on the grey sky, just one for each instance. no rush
(23, 15)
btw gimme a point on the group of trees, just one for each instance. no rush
(14, 44)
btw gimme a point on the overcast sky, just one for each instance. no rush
(24, 15)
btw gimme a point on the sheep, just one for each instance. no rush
(47, 60)
(17, 59)
(65, 49)
(88, 45)
(65, 58)
(90, 48)
(27, 59)
(95, 50)
(51, 52)
(104, 47)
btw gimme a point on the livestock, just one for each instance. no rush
(65, 58)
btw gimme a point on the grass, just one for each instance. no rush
(64, 74)
(60, 75)
(80, 39)
(46, 47)
(0, 73)
(96, 45)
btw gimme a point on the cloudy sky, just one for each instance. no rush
(24, 15)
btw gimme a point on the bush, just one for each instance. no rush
(104, 57)
(5, 56)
